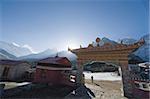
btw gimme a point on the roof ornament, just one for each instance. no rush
(80, 46)
(69, 49)
(142, 41)
(90, 45)
(121, 42)
(97, 41)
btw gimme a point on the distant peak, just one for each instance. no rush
(104, 38)
(145, 36)
(29, 47)
(15, 44)
(47, 50)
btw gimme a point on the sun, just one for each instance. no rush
(73, 46)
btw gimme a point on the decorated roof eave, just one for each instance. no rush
(106, 48)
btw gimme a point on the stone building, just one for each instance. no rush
(11, 70)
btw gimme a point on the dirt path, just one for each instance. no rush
(105, 89)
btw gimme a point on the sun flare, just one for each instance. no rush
(73, 46)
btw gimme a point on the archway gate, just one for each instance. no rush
(115, 53)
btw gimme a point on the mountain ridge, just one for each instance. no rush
(142, 52)
(14, 49)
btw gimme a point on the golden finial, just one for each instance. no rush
(98, 39)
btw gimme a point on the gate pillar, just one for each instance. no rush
(126, 79)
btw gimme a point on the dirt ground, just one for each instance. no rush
(105, 89)
(38, 91)
(97, 90)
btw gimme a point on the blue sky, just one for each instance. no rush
(58, 24)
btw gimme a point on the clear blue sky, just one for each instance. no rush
(58, 24)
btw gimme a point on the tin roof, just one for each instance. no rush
(10, 62)
(56, 60)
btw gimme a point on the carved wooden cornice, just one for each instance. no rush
(109, 47)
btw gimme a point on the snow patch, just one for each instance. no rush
(29, 47)
(15, 44)
(109, 76)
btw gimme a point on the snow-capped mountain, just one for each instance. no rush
(50, 53)
(71, 56)
(106, 40)
(143, 52)
(41, 55)
(103, 41)
(5, 55)
(15, 49)
(127, 41)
